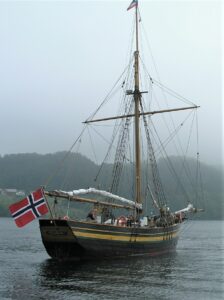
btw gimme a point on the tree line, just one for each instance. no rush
(31, 170)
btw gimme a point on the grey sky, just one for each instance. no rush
(58, 59)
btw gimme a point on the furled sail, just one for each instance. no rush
(190, 208)
(102, 193)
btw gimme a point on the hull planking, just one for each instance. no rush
(75, 240)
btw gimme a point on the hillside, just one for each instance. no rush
(28, 171)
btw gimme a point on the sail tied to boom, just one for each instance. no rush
(75, 193)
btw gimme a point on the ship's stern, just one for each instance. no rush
(59, 240)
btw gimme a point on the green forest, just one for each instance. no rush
(27, 172)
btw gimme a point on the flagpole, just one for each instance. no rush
(48, 205)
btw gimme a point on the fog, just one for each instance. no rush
(58, 60)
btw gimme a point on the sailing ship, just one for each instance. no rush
(104, 233)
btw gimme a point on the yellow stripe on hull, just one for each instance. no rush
(130, 238)
(109, 231)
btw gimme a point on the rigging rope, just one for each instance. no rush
(64, 158)
(170, 165)
(173, 134)
(199, 173)
(120, 153)
(94, 152)
(159, 193)
(108, 95)
(172, 92)
(118, 123)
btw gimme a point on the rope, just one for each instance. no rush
(172, 135)
(199, 173)
(49, 179)
(120, 153)
(172, 92)
(92, 145)
(107, 96)
(160, 195)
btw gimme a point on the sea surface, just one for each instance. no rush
(195, 271)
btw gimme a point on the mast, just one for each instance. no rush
(137, 96)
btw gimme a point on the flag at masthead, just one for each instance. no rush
(134, 3)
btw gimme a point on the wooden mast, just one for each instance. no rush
(137, 96)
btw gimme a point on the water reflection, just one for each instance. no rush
(194, 272)
(108, 277)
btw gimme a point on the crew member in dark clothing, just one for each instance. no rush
(92, 215)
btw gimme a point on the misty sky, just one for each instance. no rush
(58, 59)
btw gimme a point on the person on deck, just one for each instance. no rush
(92, 215)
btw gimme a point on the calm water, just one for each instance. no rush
(195, 271)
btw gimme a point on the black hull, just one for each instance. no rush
(73, 240)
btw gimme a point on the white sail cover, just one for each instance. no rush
(102, 193)
(189, 208)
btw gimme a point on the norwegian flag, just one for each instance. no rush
(134, 3)
(28, 209)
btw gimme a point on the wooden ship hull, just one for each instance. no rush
(68, 239)
(75, 240)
